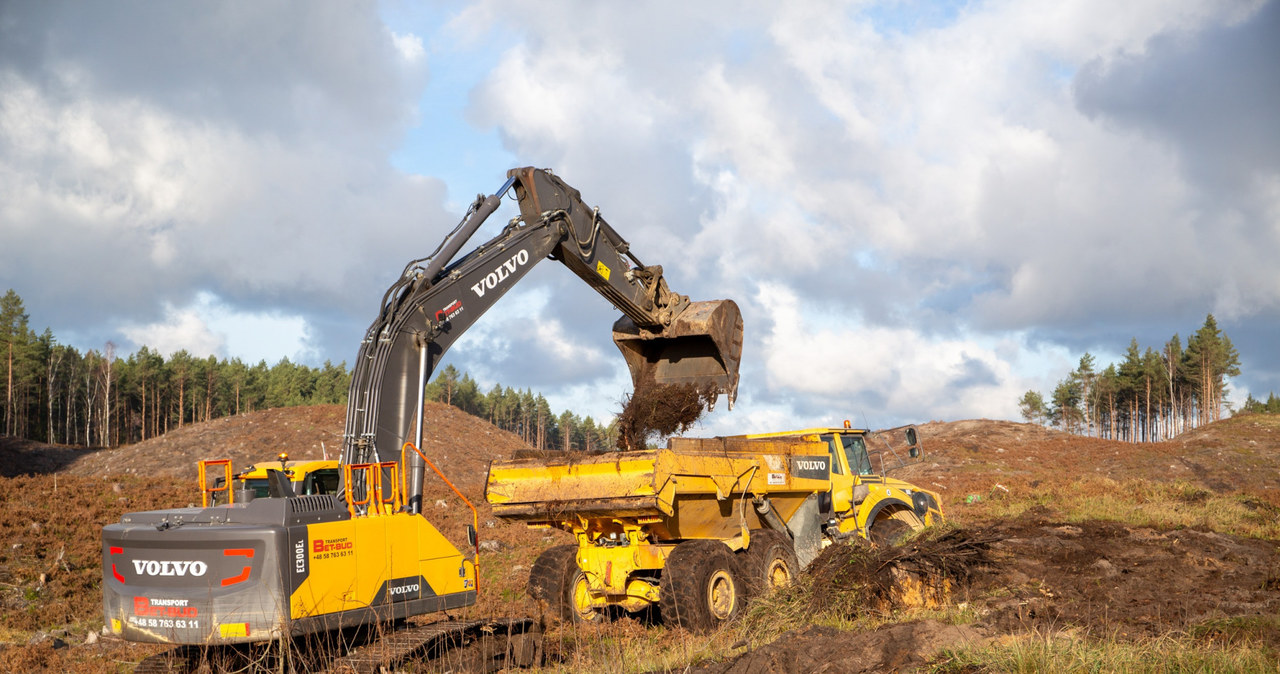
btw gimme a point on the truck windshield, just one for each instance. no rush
(855, 450)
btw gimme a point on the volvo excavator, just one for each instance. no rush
(252, 569)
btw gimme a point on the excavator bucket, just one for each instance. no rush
(702, 346)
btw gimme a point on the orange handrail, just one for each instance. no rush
(373, 485)
(206, 490)
(475, 517)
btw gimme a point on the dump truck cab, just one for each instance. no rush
(863, 499)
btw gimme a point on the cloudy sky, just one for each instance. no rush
(923, 209)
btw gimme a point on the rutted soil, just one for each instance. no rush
(1034, 572)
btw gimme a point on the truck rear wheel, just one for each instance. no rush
(769, 563)
(701, 587)
(556, 580)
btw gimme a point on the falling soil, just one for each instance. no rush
(661, 410)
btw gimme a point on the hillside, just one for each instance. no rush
(1239, 454)
(462, 445)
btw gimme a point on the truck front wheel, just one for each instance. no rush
(700, 588)
(769, 563)
(556, 581)
(889, 531)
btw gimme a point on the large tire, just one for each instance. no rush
(559, 585)
(887, 531)
(701, 587)
(769, 563)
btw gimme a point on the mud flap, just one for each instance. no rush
(806, 531)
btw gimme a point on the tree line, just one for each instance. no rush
(54, 393)
(1150, 396)
(1255, 406)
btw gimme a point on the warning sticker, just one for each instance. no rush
(777, 478)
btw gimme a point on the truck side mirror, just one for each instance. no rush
(471, 535)
(913, 442)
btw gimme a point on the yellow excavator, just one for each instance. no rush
(257, 568)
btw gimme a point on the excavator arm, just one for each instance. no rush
(665, 338)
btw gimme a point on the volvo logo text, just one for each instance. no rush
(493, 278)
(403, 589)
(151, 567)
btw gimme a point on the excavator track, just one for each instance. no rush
(456, 645)
(465, 646)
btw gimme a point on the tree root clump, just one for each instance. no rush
(660, 410)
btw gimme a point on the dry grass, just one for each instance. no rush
(1135, 502)
(1063, 652)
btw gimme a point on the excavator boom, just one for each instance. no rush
(665, 339)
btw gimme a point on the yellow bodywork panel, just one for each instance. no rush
(351, 563)
(693, 489)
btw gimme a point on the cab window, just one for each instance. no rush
(323, 481)
(833, 448)
(259, 487)
(855, 450)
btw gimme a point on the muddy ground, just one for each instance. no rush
(1035, 573)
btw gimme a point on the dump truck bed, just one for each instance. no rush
(695, 486)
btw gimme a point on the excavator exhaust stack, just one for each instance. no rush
(702, 346)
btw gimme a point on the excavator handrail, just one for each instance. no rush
(475, 517)
(374, 501)
(206, 490)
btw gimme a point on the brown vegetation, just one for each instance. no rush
(661, 410)
(1105, 541)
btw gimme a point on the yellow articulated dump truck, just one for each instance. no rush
(699, 527)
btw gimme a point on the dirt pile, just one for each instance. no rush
(923, 572)
(818, 648)
(1111, 579)
(1036, 575)
(24, 457)
(661, 410)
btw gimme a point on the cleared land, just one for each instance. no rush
(1063, 553)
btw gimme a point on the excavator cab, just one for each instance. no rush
(702, 347)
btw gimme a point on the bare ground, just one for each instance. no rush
(1039, 571)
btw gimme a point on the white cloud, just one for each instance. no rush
(972, 189)
(181, 329)
(839, 359)
(409, 46)
(209, 327)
